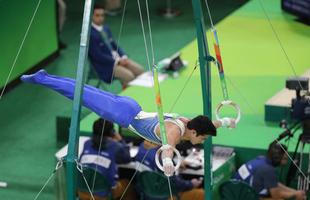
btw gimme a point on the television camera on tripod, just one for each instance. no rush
(300, 114)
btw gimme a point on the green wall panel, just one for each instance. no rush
(41, 41)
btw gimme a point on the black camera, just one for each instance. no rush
(300, 104)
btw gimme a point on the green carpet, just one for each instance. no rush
(27, 113)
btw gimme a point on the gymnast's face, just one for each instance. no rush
(198, 139)
(98, 16)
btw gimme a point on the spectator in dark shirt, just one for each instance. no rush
(113, 150)
(260, 173)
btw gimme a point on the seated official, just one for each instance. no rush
(260, 173)
(188, 189)
(113, 151)
(107, 58)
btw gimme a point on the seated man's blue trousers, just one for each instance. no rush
(118, 109)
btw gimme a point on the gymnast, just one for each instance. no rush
(127, 113)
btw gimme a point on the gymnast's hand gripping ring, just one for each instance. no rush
(228, 103)
(161, 166)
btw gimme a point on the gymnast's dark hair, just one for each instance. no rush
(202, 125)
(104, 128)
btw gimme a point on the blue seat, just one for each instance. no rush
(114, 87)
(92, 75)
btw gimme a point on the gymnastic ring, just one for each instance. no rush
(161, 149)
(228, 103)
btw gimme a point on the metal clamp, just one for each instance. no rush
(59, 164)
(79, 166)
